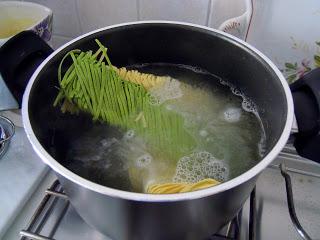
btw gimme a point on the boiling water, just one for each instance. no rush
(224, 124)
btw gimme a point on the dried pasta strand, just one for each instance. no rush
(147, 80)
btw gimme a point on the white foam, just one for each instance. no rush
(222, 82)
(236, 91)
(198, 166)
(143, 160)
(262, 147)
(248, 105)
(107, 143)
(203, 133)
(129, 134)
(169, 90)
(232, 114)
(194, 69)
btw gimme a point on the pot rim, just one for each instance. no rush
(61, 170)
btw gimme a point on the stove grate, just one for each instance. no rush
(55, 193)
(231, 231)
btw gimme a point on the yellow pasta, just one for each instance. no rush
(167, 188)
(147, 80)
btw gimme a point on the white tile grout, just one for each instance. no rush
(209, 12)
(78, 17)
(138, 15)
(138, 9)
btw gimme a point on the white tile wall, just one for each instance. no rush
(94, 14)
(287, 32)
(234, 8)
(57, 41)
(74, 17)
(194, 11)
(65, 19)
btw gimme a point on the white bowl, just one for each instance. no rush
(18, 16)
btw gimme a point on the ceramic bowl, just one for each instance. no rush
(16, 16)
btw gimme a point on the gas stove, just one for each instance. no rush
(284, 204)
(276, 209)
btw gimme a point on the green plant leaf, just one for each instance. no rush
(318, 43)
(291, 78)
(317, 60)
(290, 65)
(288, 70)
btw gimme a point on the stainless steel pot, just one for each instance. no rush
(127, 215)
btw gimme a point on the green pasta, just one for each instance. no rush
(92, 85)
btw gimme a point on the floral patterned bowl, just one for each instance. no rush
(18, 16)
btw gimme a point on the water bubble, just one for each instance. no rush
(262, 147)
(144, 160)
(153, 100)
(248, 105)
(129, 134)
(224, 83)
(195, 69)
(107, 165)
(232, 114)
(236, 91)
(200, 165)
(106, 143)
(203, 133)
(169, 90)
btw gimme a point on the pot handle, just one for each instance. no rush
(19, 58)
(306, 98)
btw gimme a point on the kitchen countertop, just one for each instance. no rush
(21, 171)
(7, 100)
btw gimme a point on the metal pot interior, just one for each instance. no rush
(166, 43)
